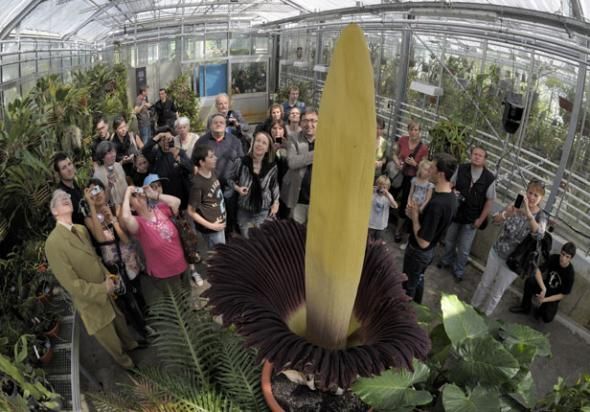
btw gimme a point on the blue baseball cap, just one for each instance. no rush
(151, 178)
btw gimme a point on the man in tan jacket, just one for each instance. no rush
(79, 270)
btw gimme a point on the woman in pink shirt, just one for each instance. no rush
(158, 236)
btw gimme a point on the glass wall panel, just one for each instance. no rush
(9, 72)
(10, 94)
(248, 77)
(216, 45)
(239, 44)
(153, 53)
(27, 67)
(260, 45)
(389, 64)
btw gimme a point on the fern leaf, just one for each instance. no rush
(239, 375)
(187, 338)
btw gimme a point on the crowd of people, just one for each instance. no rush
(122, 239)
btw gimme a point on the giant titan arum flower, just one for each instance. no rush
(322, 301)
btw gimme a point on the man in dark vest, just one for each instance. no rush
(476, 190)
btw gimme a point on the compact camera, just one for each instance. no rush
(138, 190)
(95, 190)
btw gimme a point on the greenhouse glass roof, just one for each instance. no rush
(94, 20)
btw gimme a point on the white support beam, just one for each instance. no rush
(12, 24)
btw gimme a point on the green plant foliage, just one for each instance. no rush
(461, 321)
(484, 360)
(478, 400)
(186, 339)
(238, 374)
(393, 390)
(449, 136)
(202, 366)
(185, 100)
(524, 342)
(566, 398)
(524, 390)
(107, 90)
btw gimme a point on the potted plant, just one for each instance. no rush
(319, 301)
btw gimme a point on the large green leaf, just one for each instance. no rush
(461, 321)
(520, 338)
(478, 400)
(525, 389)
(441, 344)
(484, 360)
(393, 389)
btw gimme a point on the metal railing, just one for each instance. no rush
(570, 215)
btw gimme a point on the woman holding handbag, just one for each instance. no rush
(518, 220)
(411, 152)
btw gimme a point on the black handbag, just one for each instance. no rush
(524, 260)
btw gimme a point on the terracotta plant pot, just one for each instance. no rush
(266, 384)
(53, 332)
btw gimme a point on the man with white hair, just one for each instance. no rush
(184, 138)
(235, 123)
(79, 270)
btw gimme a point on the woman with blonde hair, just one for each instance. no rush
(411, 152)
(518, 219)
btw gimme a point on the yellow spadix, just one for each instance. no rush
(343, 170)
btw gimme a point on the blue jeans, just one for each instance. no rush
(145, 133)
(247, 220)
(415, 263)
(214, 238)
(460, 237)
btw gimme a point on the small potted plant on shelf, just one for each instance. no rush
(320, 303)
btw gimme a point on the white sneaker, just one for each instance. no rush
(403, 246)
(198, 279)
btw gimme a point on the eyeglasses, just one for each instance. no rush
(312, 121)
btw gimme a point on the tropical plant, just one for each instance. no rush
(107, 90)
(477, 364)
(185, 100)
(203, 367)
(448, 136)
(565, 398)
(322, 302)
(31, 381)
(65, 109)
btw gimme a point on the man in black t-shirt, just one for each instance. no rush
(206, 203)
(552, 282)
(429, 227)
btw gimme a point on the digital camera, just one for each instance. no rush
(95, 190)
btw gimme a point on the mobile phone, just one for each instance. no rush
(518, 201)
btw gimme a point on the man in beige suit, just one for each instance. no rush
(79, 270)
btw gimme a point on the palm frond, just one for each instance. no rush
(238, 373)
(187, 338)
